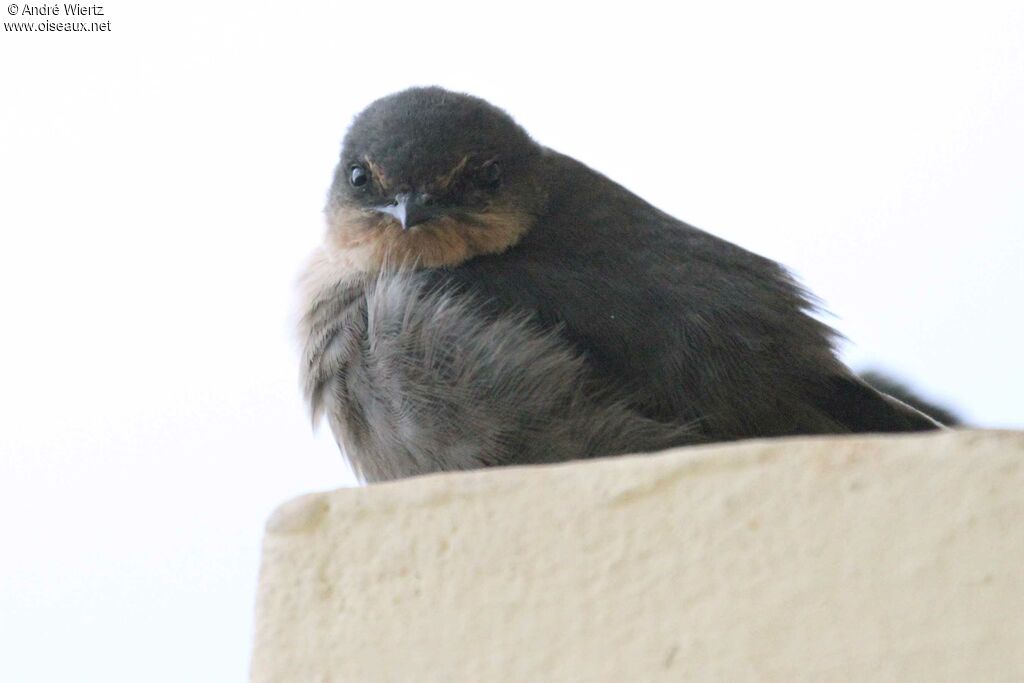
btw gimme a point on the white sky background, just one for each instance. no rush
(162, 183)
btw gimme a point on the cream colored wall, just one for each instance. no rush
(844, 559)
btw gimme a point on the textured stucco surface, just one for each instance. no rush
(844, 559)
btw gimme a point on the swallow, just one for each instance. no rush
(480, 299)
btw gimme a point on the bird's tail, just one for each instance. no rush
(860, 407)
(415, 379)
(896, 389)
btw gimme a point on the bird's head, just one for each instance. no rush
(431, 178)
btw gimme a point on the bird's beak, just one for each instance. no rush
(410, 209)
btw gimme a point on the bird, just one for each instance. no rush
(480, 299)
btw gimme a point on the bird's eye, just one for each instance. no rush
(490, 174)
(358, 176)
